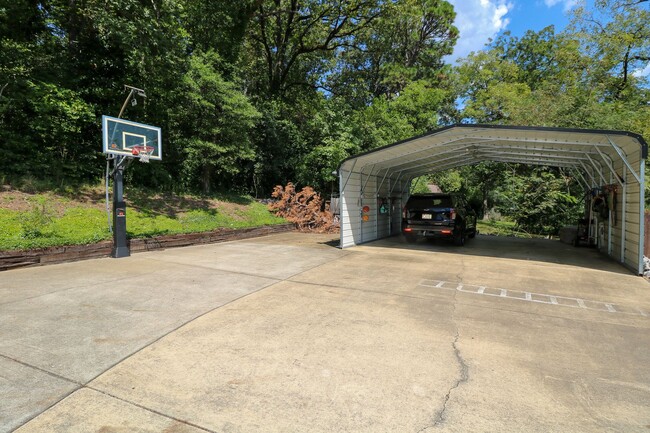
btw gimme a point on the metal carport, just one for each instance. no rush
(374, 185)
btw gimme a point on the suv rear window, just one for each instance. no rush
(416, 202)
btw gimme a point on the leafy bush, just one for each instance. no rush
(35, 222)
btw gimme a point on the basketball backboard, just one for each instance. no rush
(120, 136)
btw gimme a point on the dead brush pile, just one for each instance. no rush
(303, 208)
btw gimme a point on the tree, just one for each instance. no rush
(540, 200)
(76, 56)
(338, 141)
(537, 79)
(213, 125)
(406, 43)
(292, 40)
(219, 26)
(616, 34)
(41, 120)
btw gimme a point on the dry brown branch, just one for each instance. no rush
(303, 208)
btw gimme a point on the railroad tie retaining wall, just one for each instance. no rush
(70, 253)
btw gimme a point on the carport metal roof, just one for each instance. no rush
(592, 152)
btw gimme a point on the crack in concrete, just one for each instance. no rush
(464, 371)
(464, 376)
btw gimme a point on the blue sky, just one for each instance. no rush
(480, 20)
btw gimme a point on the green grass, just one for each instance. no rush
(502, 228)
(144, 225)
(77, 225)
(25, 230)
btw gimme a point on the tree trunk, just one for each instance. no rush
(206, 177)
(485, 205)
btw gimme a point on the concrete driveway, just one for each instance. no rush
(288, 334)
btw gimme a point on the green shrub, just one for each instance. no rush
(36, 222)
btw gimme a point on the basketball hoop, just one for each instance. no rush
(144, 152)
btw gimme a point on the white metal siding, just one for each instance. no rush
(350, 195)
(353, 229)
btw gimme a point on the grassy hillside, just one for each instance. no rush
(73, 217)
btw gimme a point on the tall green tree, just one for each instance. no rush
(291, 41)
(616, 34)
(213, 125)
(407, 42)
(540, 200)
(42, 119)
(219, 26)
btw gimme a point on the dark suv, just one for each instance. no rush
(438, 216)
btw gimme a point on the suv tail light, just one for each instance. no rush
(452, 214)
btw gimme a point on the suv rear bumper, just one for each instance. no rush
(441, 231)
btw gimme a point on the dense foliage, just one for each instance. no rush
(256, 93)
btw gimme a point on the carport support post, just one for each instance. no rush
(341, 204)
(361, 206)
(377, 217)
(642, 215)
(593, 181)
(390, 211)
(399, 175)
(609, 224)
(582, 178)
(623, 215)
(407, 185)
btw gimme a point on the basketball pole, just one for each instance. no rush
(120, 245)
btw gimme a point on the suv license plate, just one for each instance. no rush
(427, 216)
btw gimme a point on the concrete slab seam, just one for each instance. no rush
(148, 409)
(49, 373)
(247, 274)
(227, 271)
(85, 385)
(84, 286)
(357, 289)
(318, 266)
(540, 298)
(42, 370)
(272, 281)
(275, 281)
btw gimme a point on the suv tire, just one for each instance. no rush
(459, 238)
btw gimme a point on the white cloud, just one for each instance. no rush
(478, 21)
(641, 73)
(567, 4)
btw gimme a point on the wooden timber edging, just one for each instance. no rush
(70, 253)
